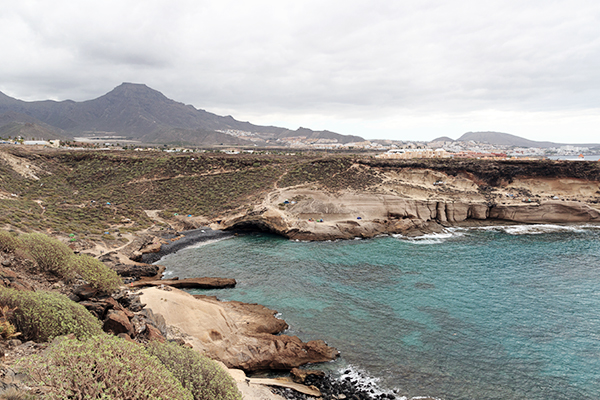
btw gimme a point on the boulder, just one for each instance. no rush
(152, 333)
(98, 308)
(85, 291)
(117, 322)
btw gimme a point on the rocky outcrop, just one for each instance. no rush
(269, 352)
(349, 215)
(190, 283)
(546, 212)
(240, 335)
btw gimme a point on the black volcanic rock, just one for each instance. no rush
(141, 113)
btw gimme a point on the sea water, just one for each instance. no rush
(495, 313)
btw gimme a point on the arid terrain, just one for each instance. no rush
(129, 208)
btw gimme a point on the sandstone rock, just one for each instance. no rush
(228, 332)
(190, 283)
(478, 211)
(117, 322)
(268, 352)
(256, 318)
(546, 212)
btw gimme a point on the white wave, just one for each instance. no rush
(207, 242)
(432, 238)
(537, 229)
(367, 383)
(532, 229)
(363, 379)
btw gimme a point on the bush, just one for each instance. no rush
(203, 377)
(103, 367)
(93, 271)
(50, 254)
(41, 316)
(8, 242)
(55, 256)
(7, 330)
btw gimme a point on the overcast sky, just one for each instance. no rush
(397, 69)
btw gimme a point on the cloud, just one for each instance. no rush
(353, 63)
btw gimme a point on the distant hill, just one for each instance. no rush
(442, 139)
(13, 124)
(141, 113)
(505, 139)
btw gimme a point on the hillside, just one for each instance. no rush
(144, 114)
(101, 194)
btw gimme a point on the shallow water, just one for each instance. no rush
(494, 313)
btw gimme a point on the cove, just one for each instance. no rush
(494, 313)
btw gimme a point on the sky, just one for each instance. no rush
(393, 69)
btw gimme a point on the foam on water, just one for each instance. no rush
(537, 229)
(431, 238)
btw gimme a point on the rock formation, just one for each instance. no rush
(239, 335)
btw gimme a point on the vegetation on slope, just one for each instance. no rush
(92, 193)
(41, 316)
(104, 367)
(56, 257)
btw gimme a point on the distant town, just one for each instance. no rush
(383, 148)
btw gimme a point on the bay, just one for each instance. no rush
(492, 313)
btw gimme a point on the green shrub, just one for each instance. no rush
(8, 242)
(49, 253)
(93, 271)
(103, 367)
(41, 315)
(203, 377)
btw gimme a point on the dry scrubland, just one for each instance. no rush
(90, 200)
(99, 195)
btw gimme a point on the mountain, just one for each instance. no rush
(141, 113)
(505, 139)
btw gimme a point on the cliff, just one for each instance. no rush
(419, 200)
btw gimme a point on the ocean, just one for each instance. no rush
(508, 312)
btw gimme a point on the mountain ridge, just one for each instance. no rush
(145, 114)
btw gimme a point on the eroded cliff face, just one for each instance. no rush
(415, 201)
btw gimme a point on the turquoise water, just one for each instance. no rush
(496, 313)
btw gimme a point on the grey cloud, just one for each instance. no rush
(373, 59)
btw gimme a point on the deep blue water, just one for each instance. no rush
(496, 313)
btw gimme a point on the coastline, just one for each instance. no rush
(185, 239)
(407, 277)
